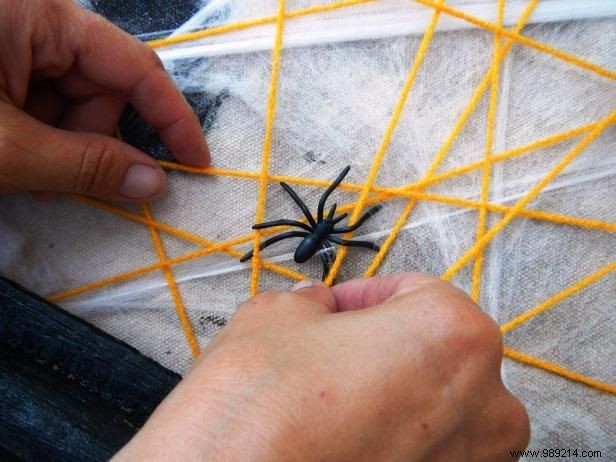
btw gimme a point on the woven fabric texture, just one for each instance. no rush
(334, 103)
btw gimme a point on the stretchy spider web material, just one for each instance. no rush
(491, 150)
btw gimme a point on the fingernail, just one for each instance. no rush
(303, 284)
(141, 182)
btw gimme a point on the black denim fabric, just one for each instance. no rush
(146, 17)
(68, 391)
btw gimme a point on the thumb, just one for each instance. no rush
(37, 157)
(306, 298)
(316, 291)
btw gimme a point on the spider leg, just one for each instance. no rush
(359, 222)
(332, 212)
(329, 190)
(299, 202)
(340, 218)
(271, 224)
(366, 244)
(273, 240)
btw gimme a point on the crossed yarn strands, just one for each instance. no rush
(369, 193)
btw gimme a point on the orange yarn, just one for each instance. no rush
(398, 191)
(559, 370)
(559, 297)
(481, 243)
(516, 37)
(410, 80)
(487, 167)
(546, 305)
(267, 147)
(226, 247)
(217, 30)
(173, 287)
(447, 145)
(413, 192)
(175, 261)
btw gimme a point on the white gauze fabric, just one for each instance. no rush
(340, 78)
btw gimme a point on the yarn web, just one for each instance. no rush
(369, 193)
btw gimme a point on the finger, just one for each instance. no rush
(318, 292)
(45, 105)
(91, 108)
(308, 298)
(73, 84)
(37, 157)
(117, 61)
(363, 293)
(42, 196)
(95, 114)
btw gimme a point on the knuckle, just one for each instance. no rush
(150, 58)
(9, 147)
(95, 174)
(410, 285)
(409, 290)
(265, 300)
(260, 310)
(287, 301)
(275, 299)
(410, 277)
(153, 58)
(488, 339)
(471, 332)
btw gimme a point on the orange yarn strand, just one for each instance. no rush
(559, 370)
(225, 247)
(189, 236)
(175, 293)
(559, 297)
(397, 191)
(380, 155)
(521, 39)
(481, 243)
(461, 122)
(249, 23)
(487, 167)
(267, 146)
(175, 261)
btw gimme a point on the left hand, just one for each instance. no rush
(65, 75)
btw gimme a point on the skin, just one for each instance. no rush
(401, 368)
(404, 367)
(65, 75)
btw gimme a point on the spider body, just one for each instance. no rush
(319, 234)
(314, 241)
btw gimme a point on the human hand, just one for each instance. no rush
(404, 367)
(65, 75)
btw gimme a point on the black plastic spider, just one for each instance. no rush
(318, 236)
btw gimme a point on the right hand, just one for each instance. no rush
(404, 367)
